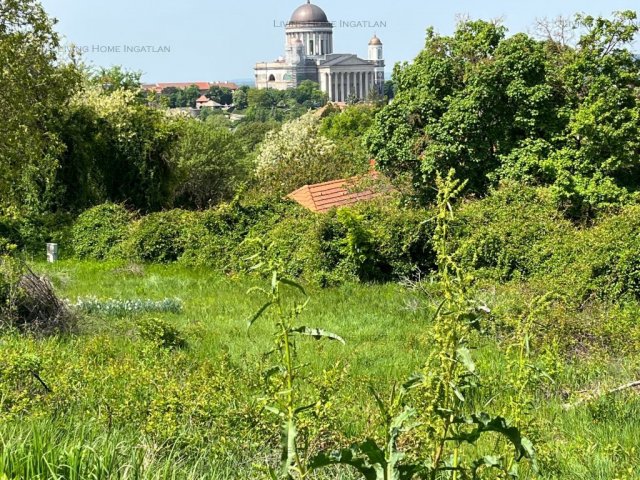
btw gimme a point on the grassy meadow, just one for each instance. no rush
(117, 405)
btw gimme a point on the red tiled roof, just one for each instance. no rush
(183, 85)
(322, 197)
(229, 85)
(202, 99)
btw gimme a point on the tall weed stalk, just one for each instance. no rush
(284, 304)
(443, 415)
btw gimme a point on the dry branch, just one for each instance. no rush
(596, 395)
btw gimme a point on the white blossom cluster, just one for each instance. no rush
(119, 308)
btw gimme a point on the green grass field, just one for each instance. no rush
(121, 407)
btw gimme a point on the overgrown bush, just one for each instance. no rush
(159, 237)
(367, 242)
(601, 262)
(98, 230)
(373, 241)
(8, 236)
(516, 233)
(161, 332)
(216, 239)
(29, 233)
(510, 233)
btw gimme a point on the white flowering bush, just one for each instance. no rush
(297, 155)
(120, 308)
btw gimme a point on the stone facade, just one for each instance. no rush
(309, 56)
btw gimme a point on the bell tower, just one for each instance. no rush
(376, 56)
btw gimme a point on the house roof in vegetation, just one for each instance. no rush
(322, 197)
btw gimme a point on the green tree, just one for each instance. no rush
(389, 90)
(240, 98)
(210, 165)
(346, 128)
(597, 165)
(466, 101)
(172, 94)
(116, 149)
(308, 94)
(115, 78)
(222, 95)
(542, 112)
(190, 95)
(35, 88)
(251, 134)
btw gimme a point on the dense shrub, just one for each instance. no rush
(98, 230)
(9, 237)
(208, 166)
(216, 239)
(38, 229)
(367, 242)
(599, 262)
(159, 237)
(29, 233)
(516, 233)
(511, 233)
(161, 333)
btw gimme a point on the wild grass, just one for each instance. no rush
(122, 407)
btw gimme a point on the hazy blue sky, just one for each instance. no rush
(221, 40)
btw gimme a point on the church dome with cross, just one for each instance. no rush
(309, 55)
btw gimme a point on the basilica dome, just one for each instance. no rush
(309, 13)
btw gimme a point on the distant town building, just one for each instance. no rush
(202, 86)
(309, 56)
(205, 101)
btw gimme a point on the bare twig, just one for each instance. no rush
(596, 395)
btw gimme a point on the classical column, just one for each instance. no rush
(327, 85)
(364, 85)
(332, 93)
(333, 87)
(345, 79)
(365, 91)
(347, 86)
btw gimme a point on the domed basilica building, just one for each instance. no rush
(309, 56)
